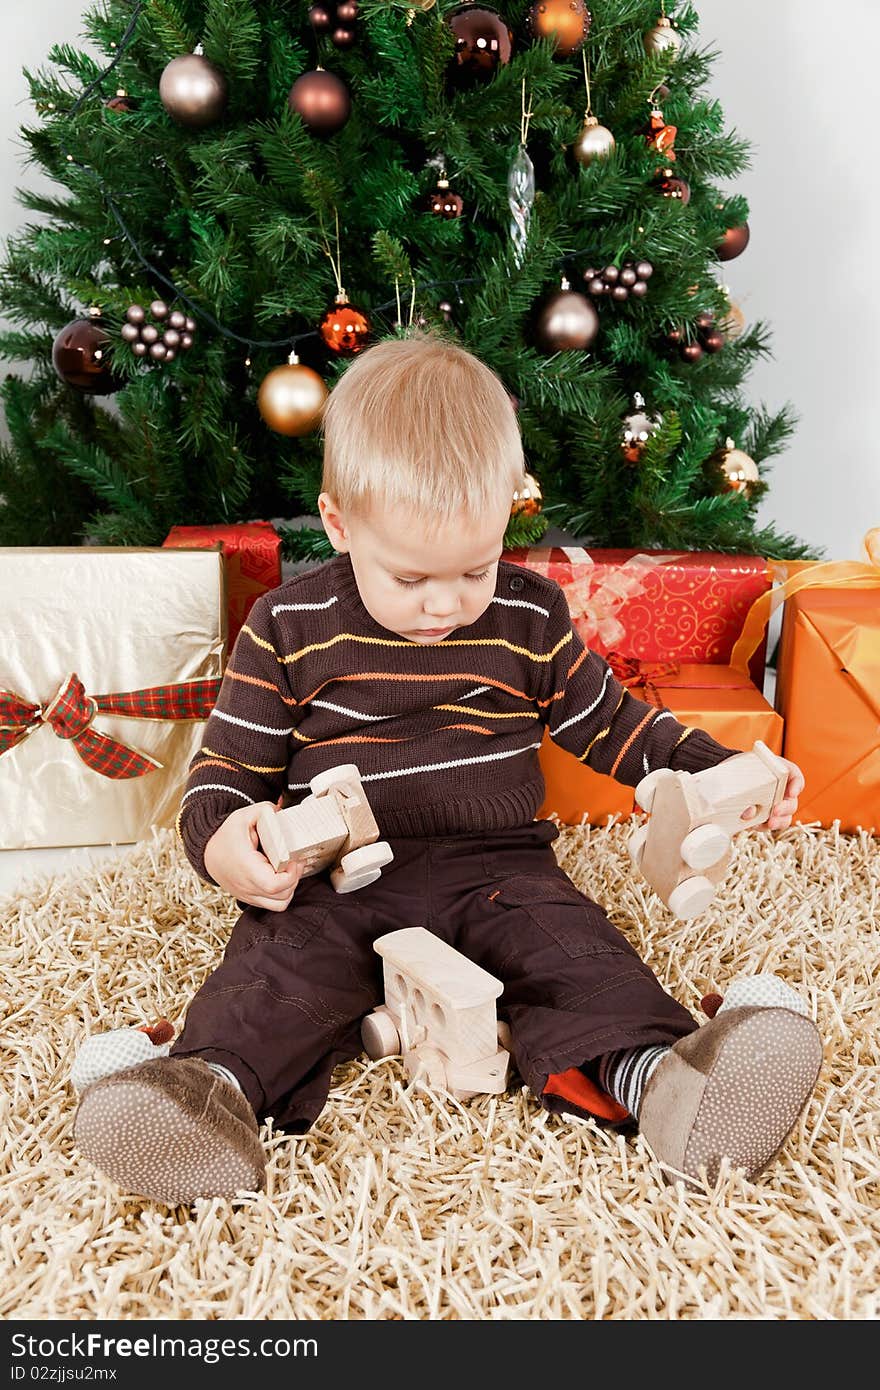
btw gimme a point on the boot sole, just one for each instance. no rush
(760, 1083)
(159, 1142)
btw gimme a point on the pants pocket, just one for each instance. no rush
(295, 927)
(577, 925)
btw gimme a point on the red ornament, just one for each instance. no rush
(344, 328)
(733, 243)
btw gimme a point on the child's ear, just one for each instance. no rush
(333, 522)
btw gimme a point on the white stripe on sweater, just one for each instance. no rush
(302, 607)
(246, 724)
(428, 767)
(522, 603)
(584, 713)
(217, 787)
(361, 714)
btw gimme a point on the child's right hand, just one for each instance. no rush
(235, 861)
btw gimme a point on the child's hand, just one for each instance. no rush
(782, 812)
(235, 861)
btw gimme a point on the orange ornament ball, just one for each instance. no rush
(566, 21)
(345, 329)
(291, 399)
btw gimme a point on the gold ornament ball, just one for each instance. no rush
(567, 320)
(291, 399)
(528, 499)
(568, 21)
(662, 38)
(594, 142)
(872, 545)
(740, 471)
(193, 91)
(733, 323)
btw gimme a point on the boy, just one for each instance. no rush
(420, 656)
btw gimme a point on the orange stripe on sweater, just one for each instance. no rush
(631, 740)
(233, 675)
(415, 738)
(384, 642)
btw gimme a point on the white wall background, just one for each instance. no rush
(797, 80)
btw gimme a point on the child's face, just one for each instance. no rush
(422, 588)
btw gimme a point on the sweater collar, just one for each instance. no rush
(345, 584)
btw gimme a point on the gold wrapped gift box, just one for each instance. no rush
(121, 619)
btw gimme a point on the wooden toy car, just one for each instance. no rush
(332, 826)
(685, 847)
(439, 1013)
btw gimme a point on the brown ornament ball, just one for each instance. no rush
(347, 12)
(483, 43)
(171, 338)
(291, 399)
(129, 332)
(713, 341)
(342, 37)
(676, 189)
(594, 142)
(190, 325)
(319, 17)
(322, 100)
(79, 356)
(193, 91)
(135, 313)
(158, 351)
(733, 243)
(345, 329)
(690, 352)
(186, 341)
(149, 333)
(568, 21)
(159, 309)
(740, 472)
(528, 499)
(177, 320)
(567, 320)
(139, 349)
(704, 319)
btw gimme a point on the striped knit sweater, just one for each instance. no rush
(446, 736)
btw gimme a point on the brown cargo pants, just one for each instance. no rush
(285, 1005)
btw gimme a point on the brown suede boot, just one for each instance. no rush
(171, 1130)
(733, 1089)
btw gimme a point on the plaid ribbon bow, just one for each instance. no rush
(71, 712)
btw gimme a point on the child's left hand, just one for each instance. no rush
(780, 816)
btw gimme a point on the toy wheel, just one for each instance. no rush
(636, 844)
(692, 897)
(361, 866)
(323, 781)
(379, 1036)
(704, 846)
(644, 793)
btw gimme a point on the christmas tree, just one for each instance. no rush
(252, 191)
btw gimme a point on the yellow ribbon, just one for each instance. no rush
(830, 574)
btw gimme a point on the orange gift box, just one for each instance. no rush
(252, 559)
(716, 698)
(828, 692)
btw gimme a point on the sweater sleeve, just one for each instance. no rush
(245, 751)
(588, 712)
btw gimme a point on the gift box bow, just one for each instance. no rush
(595, 595)
(648, 675)
(71, 712)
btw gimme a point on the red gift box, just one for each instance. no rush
(658, 605)
(252, 559)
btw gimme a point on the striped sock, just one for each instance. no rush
(625, 1074)
(227, 1075)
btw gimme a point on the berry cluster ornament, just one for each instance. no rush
(344, 328)
(291, 398)
(566, 21)
(528, 499)
(175, 331)
(566, 320)
(703, 336)
(637, 430)
(483, 43)
(443, 202)
(322, 100)
(739, 471)
(619, 282)
(335, 19)
(79, 356)
(193, 91)
(733, 243)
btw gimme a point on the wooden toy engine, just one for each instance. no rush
(332, 826)
(439, 1013)
(685, 847)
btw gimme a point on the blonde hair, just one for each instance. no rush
(420, 423)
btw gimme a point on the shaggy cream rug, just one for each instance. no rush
(402, 1204)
